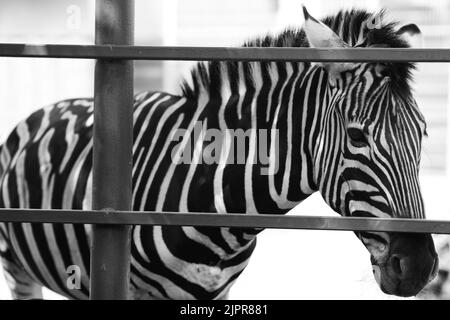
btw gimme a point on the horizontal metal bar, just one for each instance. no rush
(112, 217)
(222, 53)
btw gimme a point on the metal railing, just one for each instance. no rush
(112, 159)
(271, 221)
(119, 52)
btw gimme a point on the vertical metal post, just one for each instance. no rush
(112, 159)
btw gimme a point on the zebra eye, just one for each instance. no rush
(357, 137)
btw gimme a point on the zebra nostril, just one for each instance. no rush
(396, 265)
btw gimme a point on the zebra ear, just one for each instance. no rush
(412, 35)
(321, 36)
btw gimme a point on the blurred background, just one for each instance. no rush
(287, 264)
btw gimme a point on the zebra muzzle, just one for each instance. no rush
(411, 264)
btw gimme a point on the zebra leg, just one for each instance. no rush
(21, 285)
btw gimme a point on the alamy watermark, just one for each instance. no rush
(73, 21)
(209, 146)
(73, 281)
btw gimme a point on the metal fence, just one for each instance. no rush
(112, 157)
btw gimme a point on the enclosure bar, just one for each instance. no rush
(112, 157)
(270, 221)
(223, 53)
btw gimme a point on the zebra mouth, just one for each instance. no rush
(435, 271)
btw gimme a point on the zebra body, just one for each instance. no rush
(65, 180)
(47, 161)
(65, 153)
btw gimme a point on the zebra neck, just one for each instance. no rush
(280, 104)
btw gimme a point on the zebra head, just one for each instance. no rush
(368, 152)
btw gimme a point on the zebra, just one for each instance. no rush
(351, 131)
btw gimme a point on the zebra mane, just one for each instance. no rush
(358, 28)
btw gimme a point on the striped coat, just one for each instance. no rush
(317, 123)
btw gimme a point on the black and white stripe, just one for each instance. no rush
(47, 160)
